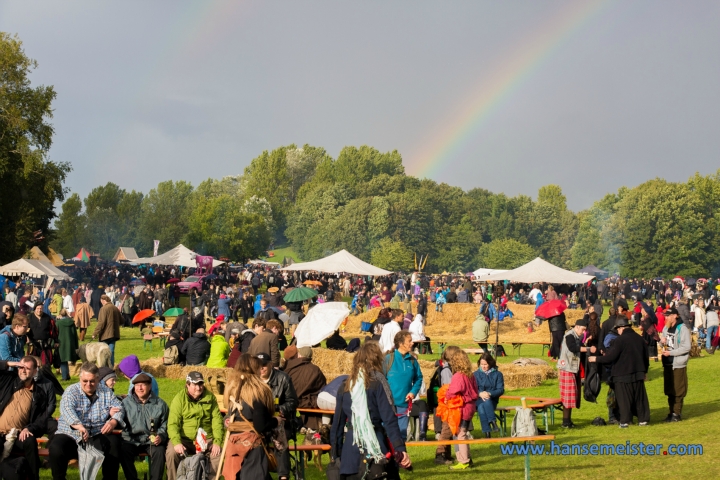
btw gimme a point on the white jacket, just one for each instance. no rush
(416, 329)
(387, 339)
(68, 304)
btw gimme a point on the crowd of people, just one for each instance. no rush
(230, 324)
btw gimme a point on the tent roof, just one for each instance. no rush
(342, 261)
(539, 270)
(37, 254)
(591, 270)
(180, 256)
(34, 269)
(481, 272)
(55, 258)
(125, 253)
(83, 255)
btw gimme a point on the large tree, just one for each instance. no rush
(164, 216)
(31, 183)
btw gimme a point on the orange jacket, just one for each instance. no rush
(449, 410)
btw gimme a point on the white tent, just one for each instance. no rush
(35, 269)
(539, 270)
(180, 256)
(481, 272)
(339, 262)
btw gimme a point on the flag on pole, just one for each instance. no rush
(155, 247)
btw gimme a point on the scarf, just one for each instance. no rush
(363, 430)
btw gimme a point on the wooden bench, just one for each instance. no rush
(515, 345)
(540, 405)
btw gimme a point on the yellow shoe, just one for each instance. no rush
(460, 466)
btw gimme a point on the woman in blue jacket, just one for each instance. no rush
(491, 385)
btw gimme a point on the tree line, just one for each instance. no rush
(361, 201)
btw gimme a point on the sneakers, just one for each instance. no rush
(613, 421)
(668, 419)
(568, 425)
(623, 425)
(460, 466)
(441, 460)
(643, 424)
(675, 418)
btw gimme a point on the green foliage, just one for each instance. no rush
(70, 225)
(392, 255)
(504, 254)
(164, 216)
(31, 182)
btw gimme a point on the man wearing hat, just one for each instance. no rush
(192, 409)
(676, 338)
(146, 420)
(628, 356)
(272, 297)
(569, 370)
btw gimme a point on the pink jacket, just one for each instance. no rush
(465, 387)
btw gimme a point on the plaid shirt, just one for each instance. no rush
(92, 413)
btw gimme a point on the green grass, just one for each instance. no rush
(282, 252)
(701, 415)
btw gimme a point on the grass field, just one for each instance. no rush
(701, 417)
(283, 251)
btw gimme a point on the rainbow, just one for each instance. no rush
(507, 78)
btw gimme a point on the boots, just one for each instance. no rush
(488, 435)
(423, 427)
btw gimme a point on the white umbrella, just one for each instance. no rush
(320, 323)
(89, 461)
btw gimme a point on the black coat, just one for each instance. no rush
(9, 384)
(283, 389)
(95, 300)
(336, 342)
(628, 356)
(196, 349)
(558, 323)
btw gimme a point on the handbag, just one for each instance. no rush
(272, 461)
(332, 471)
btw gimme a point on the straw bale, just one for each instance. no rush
(455, 323)
(517, 376)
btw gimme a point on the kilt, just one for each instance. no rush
(569, 389)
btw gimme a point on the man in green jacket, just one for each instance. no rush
(190, 410)
(146, 421)
(481, 332)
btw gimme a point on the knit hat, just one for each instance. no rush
(130, 366)
(581, 323)
(305, 352)
(106, 373)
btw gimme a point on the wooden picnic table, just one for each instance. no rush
(515, 345)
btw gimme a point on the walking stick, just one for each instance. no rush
(225, 443)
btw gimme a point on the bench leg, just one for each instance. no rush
(527, 465)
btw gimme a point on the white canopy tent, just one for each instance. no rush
(342, 261)
(34, 269)
(481, 272)
(539, 270)
(180, 256)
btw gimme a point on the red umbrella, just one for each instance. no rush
(174, 280)
(550, 309)
(142, 315)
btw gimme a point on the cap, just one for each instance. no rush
(142, 378)
(290, 352)
(273, 289)
(581, 323)
(263, 357)
(106, 373)
(195, 377)
(305, 352)
(671, 311)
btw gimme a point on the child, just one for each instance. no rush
(441, 380)
(462, 386)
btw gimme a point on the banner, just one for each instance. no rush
(155, 247)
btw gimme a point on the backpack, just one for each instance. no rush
(171, 355)
(499, 351)
(609, 338)
(523, 424)
(435, 383)
(194, 467)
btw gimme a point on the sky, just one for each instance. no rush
(506, 96)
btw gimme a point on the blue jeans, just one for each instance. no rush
(486, 413)
(158, 307)
(111, 344)
(402, 418)
(709, 335)
(438, 307)
(65, 371)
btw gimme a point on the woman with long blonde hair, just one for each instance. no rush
(463, 386)
(364, 403)
(248, 399)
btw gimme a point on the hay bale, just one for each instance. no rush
(529, 361)
(333, 363)
(527, 376)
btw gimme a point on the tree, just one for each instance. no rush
(104, 229)
(70, 227)
(505, 254)
(268, 177)
(218, 226)
(32, 183)
(164, 215)
(392, 255)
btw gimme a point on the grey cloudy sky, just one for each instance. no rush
(507, 96)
